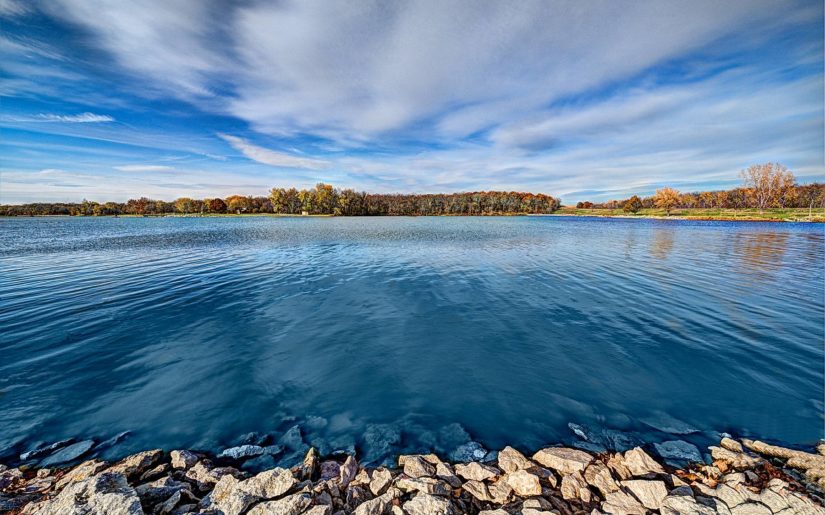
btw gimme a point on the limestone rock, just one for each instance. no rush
(622, 503)
(425, 485)
(500, 491)
(416, 466)
(232, 496)
(379, 505)
(476, 471)
(598, 475)
(737, 460)
(137, 464)
(731, 445)
(650, 493)
(348, 471)
(423, 504)
(639, 463)
(563, 459)
(319, 509)
(381, 480)
(751, 509)
(205, 476)
(684, 505)
(573, 486)
(511, 460)
(289, 505)
(156, 491)
(524, 483)
(183, 459)
(103, 494)
(444, 471)
(83, 471)
(478, 490)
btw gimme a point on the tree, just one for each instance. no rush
(184, 205)
(768, 182)
(216, 205)
(632, 205)
(667, 199)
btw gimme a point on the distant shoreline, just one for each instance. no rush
(776, 215)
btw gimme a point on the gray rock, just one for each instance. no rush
(751, 508)
(156, 491)
(68, 454)
(423, 504)
(380, 441)
(242, 451)
(105, 493)
(81, 472)
(684, 505)
(470, 451)
(676, 452)
(46, 449)
(292, 439)
(446, 472)
(379, 505)
(668, 424)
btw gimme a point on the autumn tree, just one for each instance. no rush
(768, 182)
(632, 205)
(184, 205)
(216, 205)
(666, 198)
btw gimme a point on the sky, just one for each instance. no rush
(585, 100)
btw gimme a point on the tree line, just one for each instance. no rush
(764, 186)
(324, 199)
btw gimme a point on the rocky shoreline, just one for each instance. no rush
(743, 478)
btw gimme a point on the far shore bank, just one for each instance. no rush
(768, 215)
(734, 477)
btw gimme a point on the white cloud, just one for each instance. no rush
(144, 168)
(271, 157)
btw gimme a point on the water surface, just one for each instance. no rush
(189, 332)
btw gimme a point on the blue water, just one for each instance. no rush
(190, 332)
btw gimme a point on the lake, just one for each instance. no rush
(392, 334)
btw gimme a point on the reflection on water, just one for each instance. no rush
(761, 252)
(190, 332)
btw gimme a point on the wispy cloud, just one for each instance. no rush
(61, 118)
(271, 157)
(144, 168)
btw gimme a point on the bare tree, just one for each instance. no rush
(769, 183)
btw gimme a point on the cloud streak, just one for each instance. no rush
(270, 157)
(144, 168)
(61, 118)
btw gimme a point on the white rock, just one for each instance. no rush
(183, 459)
(639, 463)
(289, 505)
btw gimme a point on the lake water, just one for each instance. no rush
(190, 332)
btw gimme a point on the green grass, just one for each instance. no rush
(774, 214)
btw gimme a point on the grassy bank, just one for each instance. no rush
(769, 215)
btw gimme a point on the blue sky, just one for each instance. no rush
(586, 100)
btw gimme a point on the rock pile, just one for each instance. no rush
(747, 478)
